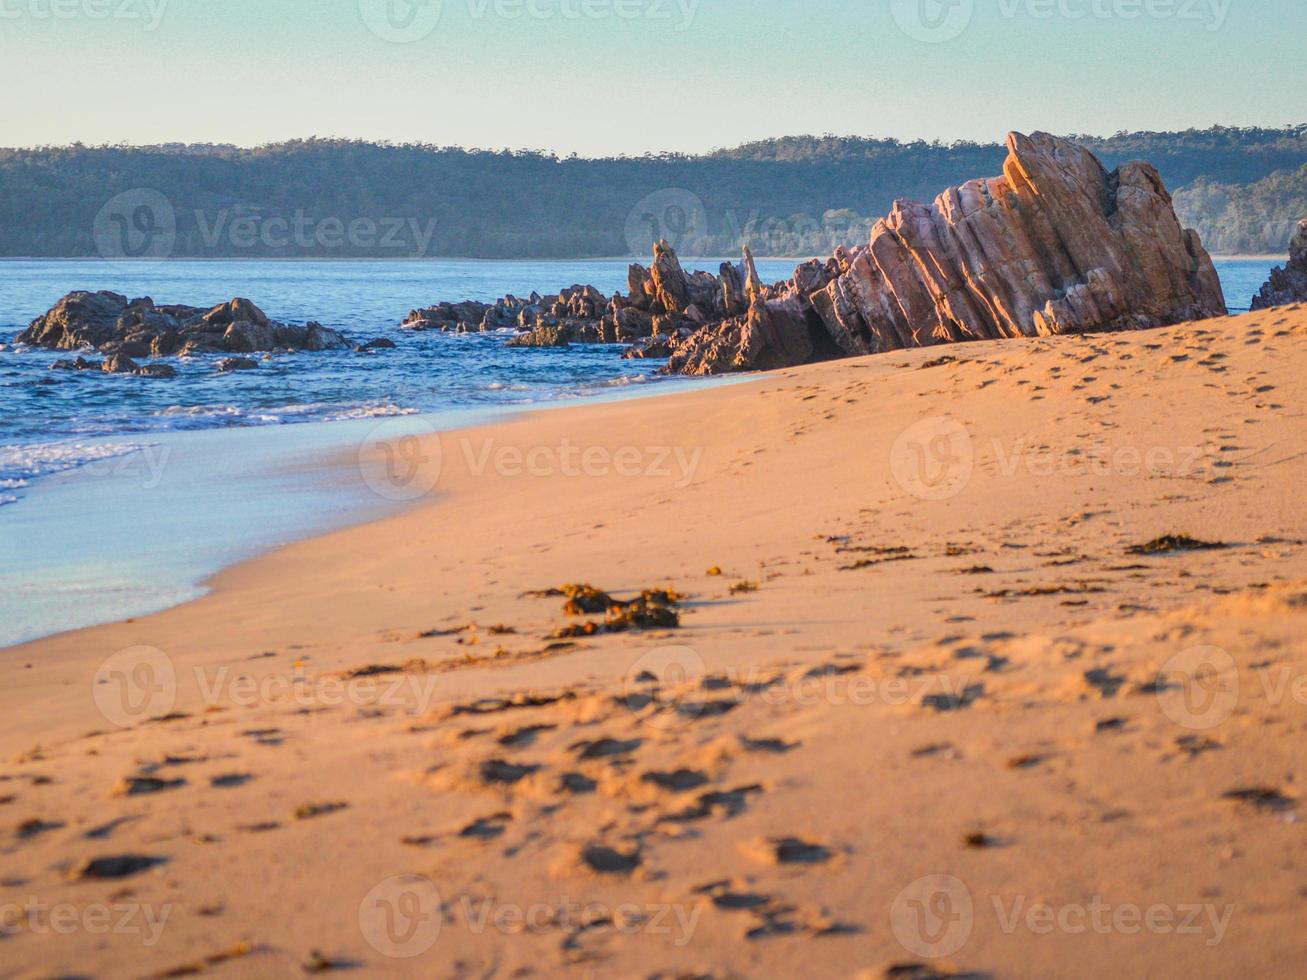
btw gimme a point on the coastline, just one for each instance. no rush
(849, 576)
(294, 482)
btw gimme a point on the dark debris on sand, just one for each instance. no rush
(1169, 544)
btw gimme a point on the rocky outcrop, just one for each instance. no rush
(1056, 245)
(117, 327)
(1288, 284)
(466, 317)
(580, 314)
(777, 332)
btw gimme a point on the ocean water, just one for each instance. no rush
(50, 418)
(119, 496)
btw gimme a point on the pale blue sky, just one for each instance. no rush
(689, 75)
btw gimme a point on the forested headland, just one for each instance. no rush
(1243, 189)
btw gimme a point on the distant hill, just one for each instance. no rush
(1253, 218)
(793, 196)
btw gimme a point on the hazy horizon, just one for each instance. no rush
(997, 139)
(638, 76)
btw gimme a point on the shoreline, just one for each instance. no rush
(328, 472)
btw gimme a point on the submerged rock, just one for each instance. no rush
(120, 364)
(1288, 284)
(117, 327)
(116, 364)
(156, 371)
(77, 364)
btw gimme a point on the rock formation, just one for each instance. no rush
(577, 314)
(124, 329)
(1288, 284)
(1056, 245)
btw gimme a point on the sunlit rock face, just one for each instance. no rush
(1056, 245)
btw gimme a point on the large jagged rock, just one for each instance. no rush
(1056, 245)
(1288, 284)
(120, 328)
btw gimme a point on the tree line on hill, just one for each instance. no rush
(1243, 189)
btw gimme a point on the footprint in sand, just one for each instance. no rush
(523, 737)
(771, 916)
(146, 785)
(500, 772)
(603, 859)
(576, 783)
(106, 830)
(1104, 682)
(788, 851)
(114, 868)
(266, 736)
(679, 781)
(230, 780)
(1195, 745)
(487, 828)
(950, 702)
(1266, 798)
(728, 803)
(606, 748)
(773, 746)
(264, 827)
(311, 810)
(36, 827)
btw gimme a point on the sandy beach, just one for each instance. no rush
(990, 662)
